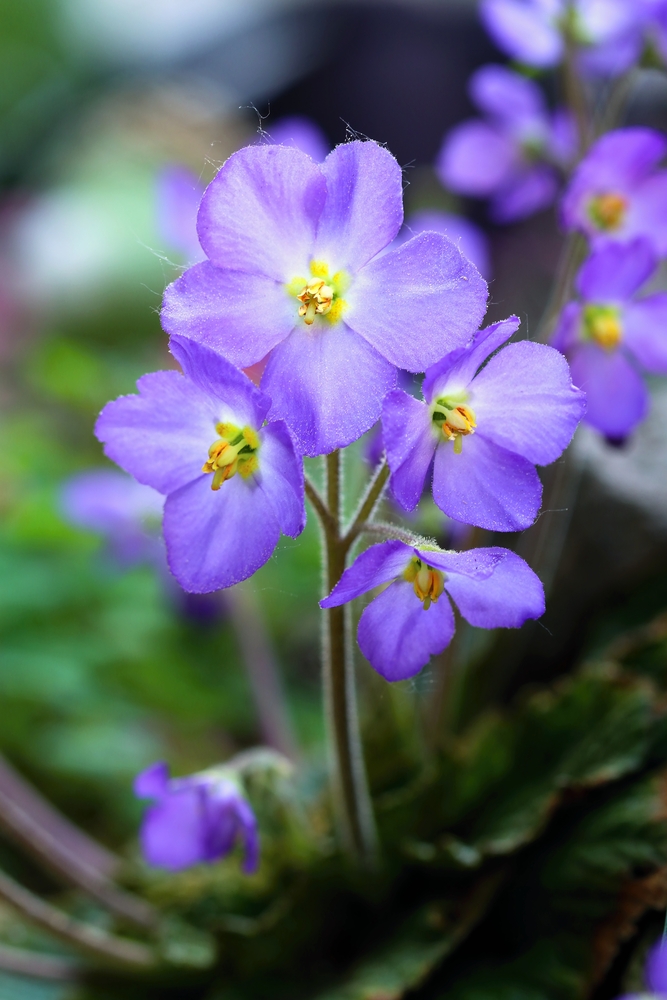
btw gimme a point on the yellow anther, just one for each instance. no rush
(607, 211)
(316, 299)
(428, 583)
(319, 269)
(455, 420)
(234, 451)
(320, 295)
(602, 324)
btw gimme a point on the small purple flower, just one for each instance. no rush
(484, 431)
(300, 133)
(232, 482)
(608, 34)
(612, 333)
(617, 193)
(196, 819)
(295, 272)
(656, 976)
(509, 157)
(469, 238)
(412, 619)
(179, 193)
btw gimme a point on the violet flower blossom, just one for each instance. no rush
(510, 157)
(617, 193)
(232, 483)
(295, 272)
(656, 976)
(195, 819)
(483, 431)
(612, 333)
(608, 34)
(412, 619)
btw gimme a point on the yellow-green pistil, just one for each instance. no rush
(428, 583)
(321, 294)
(602, 325)
(454, 419)
(234, 451)
(607, 211)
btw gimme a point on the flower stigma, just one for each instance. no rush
(607, 211)
(322, 294)
(602, 324)
(428, 583)
(234, 451)
(454, 419)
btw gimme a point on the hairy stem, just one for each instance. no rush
(368, 502)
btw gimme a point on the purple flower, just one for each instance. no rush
(179, 193)
(232, 484)
(412, 619)
(484, 431)
(656, 976)
(612, 333)
(617, 193)
(294, 270)
(509, 157)
(469, 238)
(195, 819)
(607, 33)
(300, 133)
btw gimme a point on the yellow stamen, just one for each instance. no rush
(234, 451)
(602, 324)
(321, 295)
(455, 419)
(607, 211)
(428, 583)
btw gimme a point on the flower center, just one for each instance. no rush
(234, 451)
(607, 211)
(602, 324)
(322, 295)
(428, 583)
(454, 419)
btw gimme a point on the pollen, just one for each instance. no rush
(321, 295)
(602, 324)
(235, 450)
(428, 583)
(454, 419)
(607, 211)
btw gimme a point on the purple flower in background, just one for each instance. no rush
(300, 133)
(612, 333)
(232, 484)
(196, 819)
(469, 238)
(509, 157)
(412, 619)
(656, 976)
(617, 193)
(295, 269)
(483, 431)
(179, 193)
(608, 34)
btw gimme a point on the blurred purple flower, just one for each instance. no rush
(510, 156)
(300, 133)
(608, 34)
(178, 193)
(491, 587)
(612, 333)
(232, 482)
(294, 270)
(196, 819)
(469, 238)
(656, 976)
(617, 193)
(484, 431)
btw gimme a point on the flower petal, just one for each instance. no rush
(260, 213)
(645, 332)
(364, 205)
(566, 334)
(614, 272)
(656, 968)
(476, 158)
(469, 238)
(523, 31)
(512, 594)
(524, 401)
(218, 538)
(616, 397)
(172, 830)
(478, 564)
(501, 93)
(282, 477)
(418, 302)
(327, 384)
(455, 372)
(153, 782)
(486, 485)
(409, 443)
(242, 316)
(377, 565)
(525, 192)
(647, 214)
(398, 637)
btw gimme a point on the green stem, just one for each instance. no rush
(368, 502)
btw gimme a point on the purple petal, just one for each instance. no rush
(218, 538)
(613, 57)
(527, 191)
(300, 133)
(645, 332)
(260, 213)
(242, 316)
(508, 96)
(179, 192)
(476, 158)
(469, 238)
(616, 396)
(478, 564)
(512, 594)
(364, 205)
(562, 142)
(614, 272)
(282, 478)
(523, 31)
(377, 565)
(398, 637)
(568, 328)
(656, 969)
(153, 782)
(108, 500)
(172, 831)
(455, 372)
(327, 384)
(486, 485)
(416, 303)
(647, 213)
(524, 401)
(409, 443)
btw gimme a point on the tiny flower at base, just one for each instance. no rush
(196, 819)
(412, 619)
(232, 482)
(295, 272)
(611, 334)
(484, 431)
